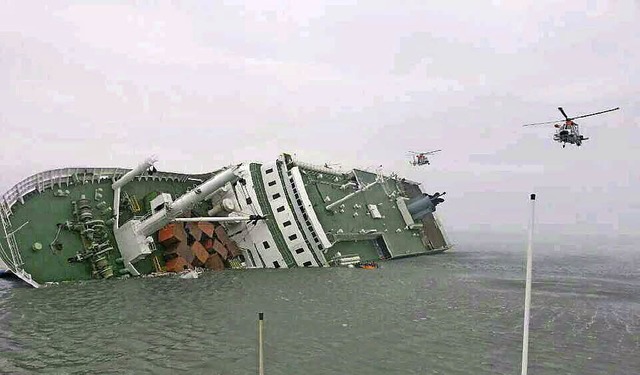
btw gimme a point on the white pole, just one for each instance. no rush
(260, 354)
(527, 295)
(215, 219)
(129, 176)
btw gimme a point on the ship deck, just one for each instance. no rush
(40, 205)
(38, 216)
(397, 241)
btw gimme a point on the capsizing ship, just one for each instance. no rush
(99, 223)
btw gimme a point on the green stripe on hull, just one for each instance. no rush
(298, 220)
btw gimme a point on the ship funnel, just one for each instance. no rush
(424, 205)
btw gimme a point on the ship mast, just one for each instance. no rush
(126, 178)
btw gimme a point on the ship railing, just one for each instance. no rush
(68, 176)
(5, 257)
(14, 259)
(318, 168)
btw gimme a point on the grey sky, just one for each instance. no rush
(201, 85)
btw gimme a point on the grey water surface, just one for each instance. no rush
(454, 313)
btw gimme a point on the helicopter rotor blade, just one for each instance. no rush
(596, 113)
(564, 114)
(544, 123)
(424, 153)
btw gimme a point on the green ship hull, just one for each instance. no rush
(99, 223)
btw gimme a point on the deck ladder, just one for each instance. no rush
(156, 264)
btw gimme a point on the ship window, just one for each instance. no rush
(299, 251)
(270, 170)
(280, 209)
(249, 200)
(276, 196)
(265, 244)
(272, 183)
(293, 237)
(299, 202)
(286, 223)
(276, 264)
(304, 215)
(307, 263)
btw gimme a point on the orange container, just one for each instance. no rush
(222, 235)
(194, 230)
(171, 234)
(233, 248)
(200, 254)
(208, 244)
(220, 249)
(207, 228)
(214, 263)
(178, 264)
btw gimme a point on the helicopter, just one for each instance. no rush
(569, 132)
(420, 158)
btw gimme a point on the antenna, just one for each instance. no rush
(527, 293)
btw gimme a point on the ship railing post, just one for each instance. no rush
(527, 295)
(4, 255)
(260, 344)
